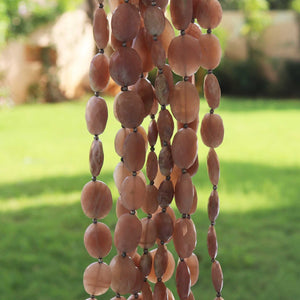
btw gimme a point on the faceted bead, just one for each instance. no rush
(193, 169)
(129, 109)
(99, 72)
(184, 101)
(97, 278)
(184, 148)
(145, 264)
(120, 173)
(125, 66)
(123, 274)
(184, 193)
(210, 50)
(120, 209)
(154, 20)
(152, 133)
(193, 264)
(184, 55)
(133, 192)
(213, 206)
(212, 130)
(120, 139)
(96, 115)
(125, 22)
(212, 244)
(212, 91)
(184, 237)
(165, 193)
(151, 166)
(193, 30)
(134, 152)
(213, 166)
(160, 261)
(100, 28)
(162, 90)
(128, 232)
(217, 276)
(209, 13)
(158, 54)
(148, 237)
(165, 160)
(181, 13)
(164, 226)
(167, 35)
(96, 158)
(195, 202)
(165, 125)
(96, 199)
(150, 204)
(146, 291)
(183, 280)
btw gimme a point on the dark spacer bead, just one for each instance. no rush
(165, 144)
(183, 216)
(149, 216)
(168, 177)
(162, 242)
(218, 294)
(211, 111)
(212, 223)
(92, 297)
(159, 279)
(182, 32)
(132, 212)
(152, 182)
(153, 3)
(146, 251)
(152, 116)
(209, 71)
(122, 159)
(185, 125)
(134, 173)
(100, 261)
(124, 88)
(212, 260)
(154, 37)
(94, 178)
(122, 126)
(101, 5)
(183, 171)
(142, 75)
(193, 20)
(135, 129)
(209, 31)
(160, 71)
(215, 187)
(101, 51)
(123, 254)
(152, 148)
(97, 94)
(145, 279)
(96, 137)
(124, 43)
(136, 296)
(163, 107)
(185, 78)
(95, 221)
(118, 295)
(188, 216)
(181, 259)
(163, 210)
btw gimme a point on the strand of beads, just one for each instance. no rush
(209, 15)
(96, 199)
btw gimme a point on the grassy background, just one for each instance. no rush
(44, 164)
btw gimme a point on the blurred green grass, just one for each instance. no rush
(44, 164)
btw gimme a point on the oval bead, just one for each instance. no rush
(167, 35)
(145, 90)
(160, 291)
(142, 131)
(184, 101)
(164, 226)
(160, 261)
(169, 75)
(154, 20)
(120, 173)
(96, 199)
(125, 66)
(184, 193)
(120, 139)
(184, 148)
(98, 240)
(128, 232)
(134, 152)
(150, 204)
(165, 193)
(195, 202)
(184, 55)
(99, 72)
(146, 291)
(212, 244)
(183, 280)
(96, 158)
(209, 13)
(148, 237)
(213, 166)
(97, 278)
(165, 160)
(162, 89)
(152, 133)
(184, 237)
(213, 206)
(193, 264)
(210, 50)
(158, 54)
(133, 192)
(151, 166)
(96, 115)
(128, 14)
(181, 13)
(100, 28)
(145, 264)
(212, 130)
(165, 125)
(217, 276)
(193, 30)
(120, 209)
(212, 91)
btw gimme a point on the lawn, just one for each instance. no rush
(44, 165)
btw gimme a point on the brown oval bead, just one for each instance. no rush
(138, 283)
(164, 226)
(96, 199)
(128, 14)
(213, 206)
(154, 20)
(165, 125)
(120, 209)
(193, 30)
(184, 237)
(160, 261)
(212, 130)
(165, 160)
(183, 280)
(184, 101)
(100, 28)
(96, 115)
(167, 71)
(96, 158)
(129, 109)
(142, 131)
(193, 169)
(165, 193)
(150, 204)
(145, 264)
(152, 133)
(184, 193)
(184, 55)
(210, 50)
(167, 35)
(212, 243)
(145, 90)
(98, 240)
(209, 13)
(181, 13)
(213, 166)
(217, 276)
(97, 278)
(120, 173)
(123, 273)
(212, 91)
(148, 237)
(162, 90)
(151, 166)
(120, 139)
(193, 264)
(184, 148)
(128, 233)
(99, 72)
(125, 66)
(195, 202)
(146, 291)
(160, 291)
(134, 152)
(133, 192)
(158, 54)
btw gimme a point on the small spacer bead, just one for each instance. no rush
(212, 260)
(101, 5)
(152, 182)
(135, 129)
(145, 279)
(122, 126)
(168, 177)
(124, 88)
(97, 94)
(134, 173)
(95, 221)
(162, 242)
(100, 261)
(209, 71)
(208, 31)
(181, 259)
(101, 51)
(185, 125)
(159, 279)
(96, 137)
(211, 111)
(149, 216)
(193, 20)
(165, 144)
(124, 43)
(212, 223)
(182, 32)
(136, 296)
(154, 37)
(163, 210)
(152, 148)
(132, 212)
(188, 216)
(123, 254)
(153, 3)
(185, 78)
(183, 216)
(126, 1)
(118, 295)
(183, 171)
(122, 159)
(92, 297)
(94, 178)
(163, 107)
(142, 75)
(160, 71)
(146, 251)
(218, 294)
(215, 187)
(152, 116)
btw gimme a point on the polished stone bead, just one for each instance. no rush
(183, 280)
(211, 51)
(150, 204)
(160, 261)
(151, 166)
(212, 91)
(149, 233)
(213, 206)
(217, 276)
(212, 244)
(193, 264)
(152, 133)
(165, 160)
(181, 13)
(158, 54)
(209, 13)
(160, 291)
(162, 90)
(120, 139)
(146, 291)
(154, 20)
(120, 209)
(100, 28)
(145, 264)
(213, 167)
(164, 226)
(96, 157)
(165, 193)
(165, 125)
(193, 30)
(99, 72)
(184, 193)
